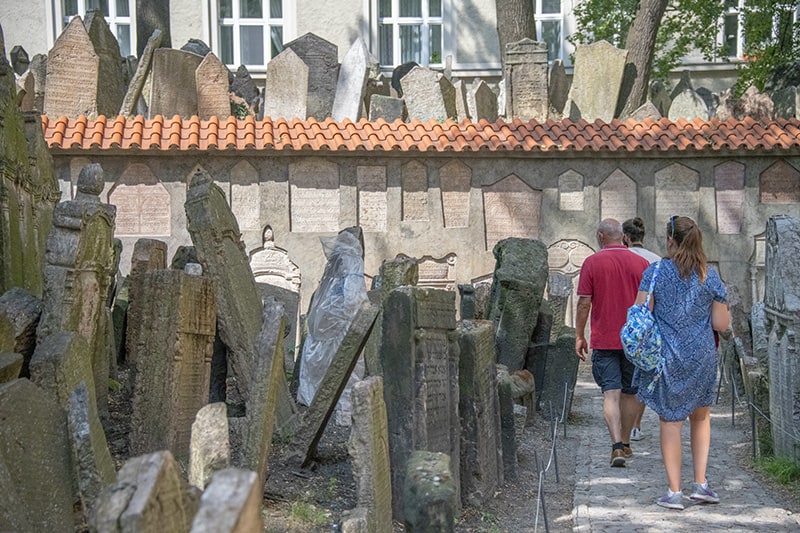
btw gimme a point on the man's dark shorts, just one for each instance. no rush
(612, 371)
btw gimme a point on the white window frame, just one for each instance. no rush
(60, 20)
(730, 12)
(558, 17)
(396, 21)
(286, 23)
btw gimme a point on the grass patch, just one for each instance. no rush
(783, 470)
(308, 513)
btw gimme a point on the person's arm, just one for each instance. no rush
(581, 317)
(720, 316)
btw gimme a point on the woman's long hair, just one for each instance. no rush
(688, 256)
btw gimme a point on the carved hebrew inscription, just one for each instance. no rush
(729, 185)
(618, 197)
(372, 201)
(415, 192)
(143, 204)
(455, 178)
(570, 191)
(511, 209)
(314, 196)
(677, 193)
(245, 196)
(780, 184)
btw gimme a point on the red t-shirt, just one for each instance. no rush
(611, 278)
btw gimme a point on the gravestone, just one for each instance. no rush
(111, 85)
(149, 494)
(372, 197)
(197, 47)
(230, 504)
(430, 493)
(428, 95)
(462, 112)
(729, 179)
(22, 311)
(369, 451)
(778, 184)
(284, 93)
(787, 102)
(143, 69)
(482, 102)
(558, 86)
(511, 209)
(38, 69)
(455, 180)
(757, 105)
(595, 91)
(677, 191)
(571, 191)
(561, 376)
(211, 78)
(78, 273)
(174, 90)
(244, 86)
(210, 449)
(351, 85)
(148, 255)
(173, 360)
(688, 105)
(35, 454)
(508, 431)
(322, 59)
(387, 108)
(419, 352)
(19, 60)
(520, 276)
(660, 97)
(648, 110)
(479, 410)
(71, 63)
(618, 198)
(26, 86)
(525, 73)
(559, 291)
(538, 353)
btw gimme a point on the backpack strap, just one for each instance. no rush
(652, 284)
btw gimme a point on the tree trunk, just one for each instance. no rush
(515, 21)
(151, 15)
(641, 44)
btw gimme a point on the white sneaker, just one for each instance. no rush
(636, 434)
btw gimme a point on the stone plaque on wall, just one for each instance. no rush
(511, 208)
(314, 196)
(245, 196)
(141, 210)
(677, 193)
(436, 273)
(456, 179)
(415, 192)
(729, 185)
(371, 198)
(780, 184)
(570, 191)
(618, 197)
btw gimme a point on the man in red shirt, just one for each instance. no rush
(608, 286)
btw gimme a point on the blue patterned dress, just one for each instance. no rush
(683, 313)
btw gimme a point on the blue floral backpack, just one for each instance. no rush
(641, 339)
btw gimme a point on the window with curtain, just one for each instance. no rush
(118, 13)
(409, 30)
(250, 31)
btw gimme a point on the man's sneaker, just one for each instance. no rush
(636, 434)
(703, 495)
(671, 502)
(627, 452)
(617, 458)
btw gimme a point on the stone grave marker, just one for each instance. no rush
(537, 357)
(677, 192)
(787, 102)
(398, 73)
(729, 195)
(211, 79)
(38, 69)
(462, 112)
(245, 87)
(388, 108)
(210, 448)
(151, 16)
(559, 291)
(511, 209)
(456, 183)
(688, 105)
(561, 376)
(230, 504)
(372, 197)
(660, 97)
(571, 191)
(558, 86)
(430, 492)
(22, 310)
(314, 196)
(284, 94)
(71, 63)
(26, 86)
(779, 184)
(174, 90)
(526, 80)
(143, 69)
(757, 105)
(352, 82)
(595, 91)
(648, 110)
(508, 435)
(428, 95)
(482, 102)
(322, 59)
(148, 255)
(111, 85)
(10, 366)
(618, 198)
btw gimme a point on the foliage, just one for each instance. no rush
(772, 40)
(783, 470)
(308, 513)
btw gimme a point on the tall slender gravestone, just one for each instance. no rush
(78, 273)
(419, 357)
(211, 78)
(518, 285)
(111, 86)
(322, 59)
(595, 91)
(526, 80)
(148, 255)
(352, 83)
(71, 63)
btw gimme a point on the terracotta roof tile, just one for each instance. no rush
(193, 134)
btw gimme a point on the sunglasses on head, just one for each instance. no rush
(672, 225)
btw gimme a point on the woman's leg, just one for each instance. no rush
(671, 452)
(700, 426)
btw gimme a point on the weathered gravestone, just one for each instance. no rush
(688, 105)
(558, 86)
(211, 78)
(285, 95)
(350, 88)
(537, 356)
(10, 366)
(173, 360)
(419, 358)
(479, 410)
(111, 85)
(245, 87)
(151, 16)
(517, 289)
(21, 310)
(78, 270)
(71, 63)
(430, 493)
(782, 311)
(508, 437)
(369, 449)
(38, 69)
(131, 100)
(559, 291)
(594, 91)
(322, 59)
(561, 376)
(388, 108)
(174, 90)
(148, 255)
(230, 504)
(26, 95)
(526, 80)
(428, 95)
(210, 447)
(35, 454)
(462, 112)
(787, 102)
(482, 102)
(648, 110)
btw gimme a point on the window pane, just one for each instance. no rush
(385, 8)
(123, 8)
(251, 43)
(251, 9)
(70, 8)
(102, 5)
(386, 45)
(410, 8)
(436, 43)
(551, 6)
(124, 38)
(225, 9)
(276, 40)
(731, 28)
(551, 34)
(276, 9)
(410, 43)
(226, 44)
(435, 8)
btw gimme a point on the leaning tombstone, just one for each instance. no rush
(322, 59)
(351, 85)
(526, 80)
(148, 255)
(595, 91)
(428, 95)
(561, 376)
(143, 68)
(230, 504)
(210, 448)
(71, 63)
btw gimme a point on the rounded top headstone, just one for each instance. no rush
(90, 180)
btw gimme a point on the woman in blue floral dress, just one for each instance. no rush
(688, 302)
